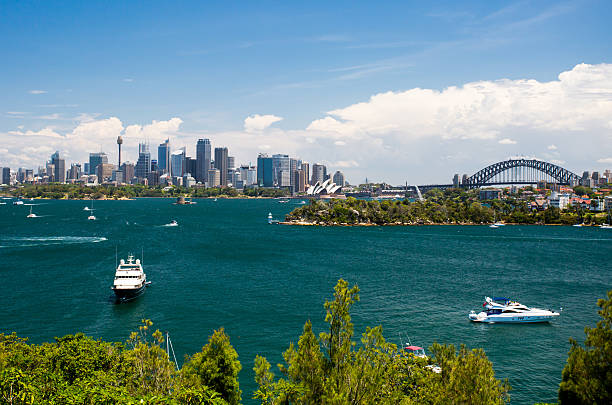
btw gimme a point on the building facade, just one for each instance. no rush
(221, 164)
(202, 160)
(95, 159)
(163, 156)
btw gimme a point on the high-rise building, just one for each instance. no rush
(299, 181)
(50, 172)
(86, 168)
(190, 166)
(128, 172)
(221, 164)
(59, 166)
(6, 175)
(95, 159)
(75, 171)
(214, 178)
(338, 178)
(306, 168)
(281, 163)
(202, 160)
(104, 171)
(265, 173)
(318, 173)
(163, 156)
(293, 166)
(177, 162)
(231, 163)
(143, 165)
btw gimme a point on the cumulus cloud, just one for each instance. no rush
(507, 141)
(605, 160)
(257, 123)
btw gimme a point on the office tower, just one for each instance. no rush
(177, 162)
(299, 181)
(221, 164)
(153, 178)
(75, 171)
(59, 167)
(104, 171)
(117, 176)
(318, 173)
(338, 178)
(143, 165)
(154, 166)
(265, 173)
(6, 175)
(95, 159)
(214, 178)
(202, 160)
(280, 163)
(306, 168)
(50, 172)
(163, 156)
(231, 163)
(190, 166)
(29, 175)
(128, 172)
(119, 143)
(86, 168)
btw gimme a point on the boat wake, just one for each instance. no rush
(30, 241)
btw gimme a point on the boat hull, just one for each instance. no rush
(512, 319)
(126, 294)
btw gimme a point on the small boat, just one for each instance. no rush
(31, 215)
(503, 310)
(493, 226)
(130, 279)
(86, 208)
(419, 352)
(498, 223)
(91, 218)
(283, 201)
(578, 225)
(18, 202)
(605, 226)
(172, 223)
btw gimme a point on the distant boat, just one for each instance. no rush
(605, 226)
(578, 225)
(172, 223)
(493, 226)
(18, 202)
(271, 220)
(31, 215)
(283, 201)
(91, 217)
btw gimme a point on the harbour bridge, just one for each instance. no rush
(509, 172)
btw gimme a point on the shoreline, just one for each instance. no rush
(369, 224)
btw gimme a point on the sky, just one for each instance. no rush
(405, 91)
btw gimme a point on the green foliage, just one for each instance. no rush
(334, 369)
(217, 367)
(77, 369)
(587, 375)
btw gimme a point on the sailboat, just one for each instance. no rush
(31, 215)
(92, 216)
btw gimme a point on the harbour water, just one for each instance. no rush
(224, 266)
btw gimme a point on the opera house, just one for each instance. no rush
(327, 189)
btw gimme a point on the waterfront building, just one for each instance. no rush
(59, 167)
(202, 160)
(558, 200)
(177, 162)
(299, 181)
(319, 172)
(221, 164)
(265, 173)
(6, 175)
(163, 156)
(281, 163)
(143, 165)
(128, 171)
(105, 172)
(338, 178)
(95, 159)
(214, 178)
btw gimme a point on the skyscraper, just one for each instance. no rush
(202, 160)
(265, 174)
(59, 167)
(95, 159)
(163, 156)
(338, 178)
(143, 165)
(318, 173)
(299, 181)
(6, 175)
(281, 163)
(306, 168)
(119, 143)
(177, 162)
(221, 164)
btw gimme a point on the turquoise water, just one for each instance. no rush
(225, 266)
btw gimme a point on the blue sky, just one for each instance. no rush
(69, 68)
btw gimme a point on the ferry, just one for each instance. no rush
(130, 279)
(503, 310)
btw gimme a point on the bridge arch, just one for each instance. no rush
(520, 171)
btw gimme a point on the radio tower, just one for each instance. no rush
(119, 142)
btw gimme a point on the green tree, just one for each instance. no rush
(217, 367)
(587, 375)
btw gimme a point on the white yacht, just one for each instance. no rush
(31, 215)
(498, 310)
(130, 279)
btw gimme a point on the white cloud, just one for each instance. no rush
(343, 164)
(605, 160)
(557, 161)
(507, 141)
(155, 130)
(128, 80)
(37, 91)
(552, 147)
(339, 143)
(45, 132)
(257, 123)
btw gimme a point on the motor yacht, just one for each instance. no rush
(130, 279)
(91, 217)
(503, 310)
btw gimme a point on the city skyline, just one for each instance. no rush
(381, 101)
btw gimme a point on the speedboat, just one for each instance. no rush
(503, 310)
(172, 223)
(419, 352)
(578, 225)
(498, 223)
(91, 218)
(493, 226)
(130, 279)
(18, 202)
